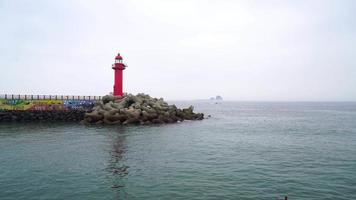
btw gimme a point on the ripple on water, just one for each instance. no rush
(245, 151)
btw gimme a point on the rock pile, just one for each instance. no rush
(138, 109)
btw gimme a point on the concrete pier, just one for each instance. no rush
(47, 102)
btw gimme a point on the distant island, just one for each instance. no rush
(218, 97)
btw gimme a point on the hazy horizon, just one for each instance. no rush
(181, 49)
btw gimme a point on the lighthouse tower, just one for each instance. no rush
(118, 67)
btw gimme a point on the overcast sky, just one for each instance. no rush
(181, 49)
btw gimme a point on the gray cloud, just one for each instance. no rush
(242, 50)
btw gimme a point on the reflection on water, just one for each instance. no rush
(116, 166)
(244, 151)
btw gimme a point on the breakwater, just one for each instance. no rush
(41, 115)
(47, 102)
(138, 109)
(17, 108)
(120, 110)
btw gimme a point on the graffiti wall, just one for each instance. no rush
(45, 104)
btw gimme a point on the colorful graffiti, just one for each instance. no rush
(45, 104)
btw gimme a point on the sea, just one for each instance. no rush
(245, 150)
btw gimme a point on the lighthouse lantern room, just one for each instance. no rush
(118, 67)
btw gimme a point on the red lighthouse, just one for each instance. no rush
(119, 66)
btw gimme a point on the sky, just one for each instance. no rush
(252, 50)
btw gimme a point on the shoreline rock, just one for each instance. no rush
(137, 109)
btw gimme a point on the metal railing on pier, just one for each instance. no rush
(48, 97)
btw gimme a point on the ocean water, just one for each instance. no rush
(246, 150)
